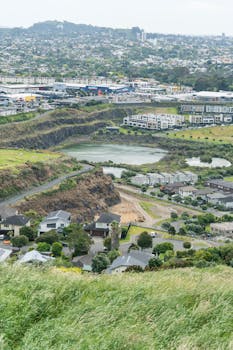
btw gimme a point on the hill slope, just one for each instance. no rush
(181, 309)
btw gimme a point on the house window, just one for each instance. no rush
(51, 225)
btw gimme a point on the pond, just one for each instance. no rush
(117, 172)
(118, 154)
(216, 163)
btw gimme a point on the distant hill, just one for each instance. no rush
(175, 309)
(67, 28)
(63, 27)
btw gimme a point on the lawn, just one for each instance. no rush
(12, 158)
(229, 179)
(149, 209)
(134, 231)
(217, 134)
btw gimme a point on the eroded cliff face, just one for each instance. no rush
(55, 127)
(33, 174)
(90, 195)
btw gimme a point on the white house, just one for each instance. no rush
(187, 191)
(54, 221)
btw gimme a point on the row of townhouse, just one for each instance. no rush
(154, 121)
(215, 109)
(210, 119)
(210, 195)
(152, 179)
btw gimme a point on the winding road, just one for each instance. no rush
(12, 200)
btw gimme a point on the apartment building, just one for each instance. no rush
(154, 121)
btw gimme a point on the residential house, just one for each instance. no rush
(220, 185)
(102, 226)
(172, 188)
(187, 191)
(54, 221)
(13, 224)
(134, 258)
(5, 254)
(34, 257)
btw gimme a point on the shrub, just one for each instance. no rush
(49, 237)
(187, 245)
(100, 262)
(57, 248)
(161, 248)
(43, 247)
(155, 263)
(19, 241)
(29, 232)
(145, 240)
(134, 268)
(113, 254)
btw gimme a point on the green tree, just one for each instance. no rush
(155, 263)
(174, 216)
(161, 248)
(187, 245)
(107, 243)
(78, 240)
(113, 254)
(145, 240)
(28, 231)
(19, 241)
(172, 230)
(49, 237)
(115, 234)
(57, 248)
(100, 262)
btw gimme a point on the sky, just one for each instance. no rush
(198, 17)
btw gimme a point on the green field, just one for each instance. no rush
(149, 209)
(11, 158)
(217, 134)
(173, 309)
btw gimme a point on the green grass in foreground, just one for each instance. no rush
(11, 158)
(178, 309)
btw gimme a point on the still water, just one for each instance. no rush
(125, 154)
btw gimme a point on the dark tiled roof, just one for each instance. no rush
(108, 218)
(17, 220)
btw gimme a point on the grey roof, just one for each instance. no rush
(108, 218)
(59, 214)
(226, 184)
(134, 258)
(34, 256)
(17, 220)
(228, 199)
(4, 254)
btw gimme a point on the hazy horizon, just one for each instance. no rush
(188, 17)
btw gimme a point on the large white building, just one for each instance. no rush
(154, 121)
(152, 179)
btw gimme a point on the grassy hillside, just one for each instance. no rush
(12, 158)
(217, 134)
(180, 309)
